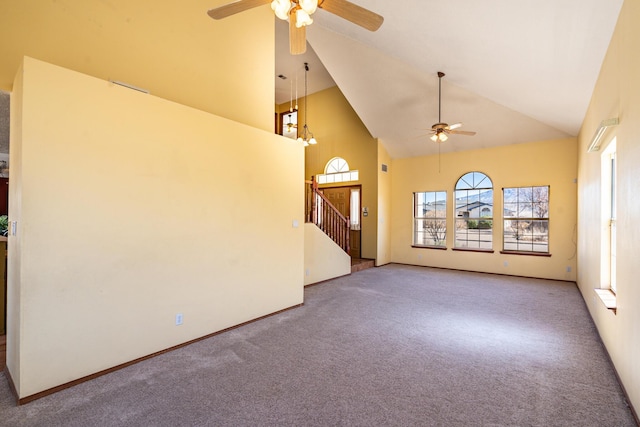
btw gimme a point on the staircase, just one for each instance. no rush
(323, 214)
(359, 264)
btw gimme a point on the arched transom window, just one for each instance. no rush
(337, 170)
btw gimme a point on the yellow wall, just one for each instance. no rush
(171, 48)
(340, 133)
(551, 163)
(384, 207)
(135, 209)
(617, 94)
(323, 259)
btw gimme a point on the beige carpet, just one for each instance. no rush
(396, 345)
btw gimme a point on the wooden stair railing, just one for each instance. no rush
(322, 213)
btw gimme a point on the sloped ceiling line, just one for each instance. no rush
(516, 71)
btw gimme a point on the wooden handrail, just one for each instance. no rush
(322, 213)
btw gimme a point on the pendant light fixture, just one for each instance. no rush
(307, 136)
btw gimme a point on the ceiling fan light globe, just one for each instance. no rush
(302, 18)
(434, 137)
(275, 4)
(281, 8)
(309, 6)
(443, 137)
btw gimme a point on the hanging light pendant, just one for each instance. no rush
(307, 137)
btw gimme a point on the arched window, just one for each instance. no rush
(474, 212)
(335, 165)
(337, 170)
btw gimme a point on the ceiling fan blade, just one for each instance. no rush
(235, 7)
(462, 132)
(353, 13)
(455, 126)
(297, 36)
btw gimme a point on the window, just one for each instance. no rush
(355, 208)
(474, 212)
(337, 170)
(430, 219)
(526, 219)
(609, 216)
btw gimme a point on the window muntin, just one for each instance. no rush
(526, 219)
(336, 171)
(335, 165)
(474, 212)
(430, 218)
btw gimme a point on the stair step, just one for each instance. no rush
(359, 264)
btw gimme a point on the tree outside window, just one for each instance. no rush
(474, 212)
(526, 219)
(430, 219)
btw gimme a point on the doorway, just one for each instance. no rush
(347, 201)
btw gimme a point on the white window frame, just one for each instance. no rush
(337, 171)
(608, 215)
(470, 186)
(531, 206)
(430, 231)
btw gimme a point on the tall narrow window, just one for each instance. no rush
(526, 219)
(609, 216)
(355, 209)
(474, 212)
(430, 219)
(612, 227)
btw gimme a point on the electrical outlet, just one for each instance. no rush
(306, 272)
(506, 263)
(568, 269)
(179, 319)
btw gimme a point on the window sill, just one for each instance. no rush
(608, 298)
(526, 253)
(486, 251)
(441, 248)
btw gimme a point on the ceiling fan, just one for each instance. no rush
(442, 130)
(299, 14)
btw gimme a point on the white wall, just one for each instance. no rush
(617, 94)
(131, 209)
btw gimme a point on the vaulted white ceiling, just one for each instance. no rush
(516, 71)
